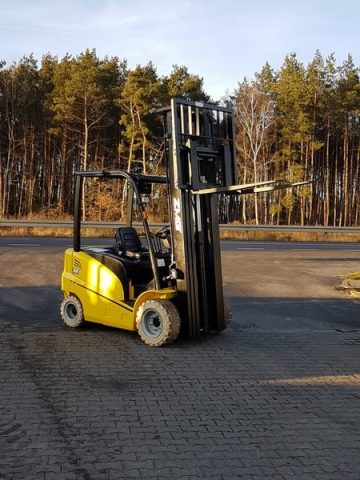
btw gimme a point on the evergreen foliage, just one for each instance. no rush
(86, 112)
(312, 132)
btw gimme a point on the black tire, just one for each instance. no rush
(72, 312)
(158, 322)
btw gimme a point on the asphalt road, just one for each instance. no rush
(276, 395)
(226, 245)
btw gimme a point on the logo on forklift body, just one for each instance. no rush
(177, 215)
(76, 266)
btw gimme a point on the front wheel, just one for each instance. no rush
(72, 312)
(158, 322)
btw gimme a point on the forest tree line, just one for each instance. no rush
(85, 112)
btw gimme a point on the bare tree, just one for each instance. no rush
(254, 113)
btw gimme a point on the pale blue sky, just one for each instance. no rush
(221, 40)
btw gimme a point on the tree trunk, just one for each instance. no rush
(345, 182)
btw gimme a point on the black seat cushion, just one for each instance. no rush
(129, 244)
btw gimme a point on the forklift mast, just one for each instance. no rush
(200, 160)
(199, 141)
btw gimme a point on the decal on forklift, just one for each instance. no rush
(177, 215)
(76, 266)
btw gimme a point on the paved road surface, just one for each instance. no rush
(277, 395)
(36, 242)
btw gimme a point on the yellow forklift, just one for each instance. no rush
(127, 285)
(171, 280)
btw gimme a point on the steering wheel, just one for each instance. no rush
(164, 232)
(164, 236)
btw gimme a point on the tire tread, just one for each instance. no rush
(172, 328)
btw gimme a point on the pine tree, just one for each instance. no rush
(140, 95)
(182, 84)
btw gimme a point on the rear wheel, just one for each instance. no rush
(158, 322)
(72, 312)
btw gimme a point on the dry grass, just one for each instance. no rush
(246, 235)
(286, 236)
(53, 232)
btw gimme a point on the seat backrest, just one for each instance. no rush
(128, 240)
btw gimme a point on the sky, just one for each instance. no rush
(222, 41)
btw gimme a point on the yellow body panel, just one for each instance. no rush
(163, 294)
(100, 291)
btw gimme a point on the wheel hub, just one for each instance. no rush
(71, 311)
(152, 323)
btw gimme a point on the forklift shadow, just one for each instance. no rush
(34, 308)
(291, 313)
(37, 308)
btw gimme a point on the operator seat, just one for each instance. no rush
(129, 244)
(134, 257)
